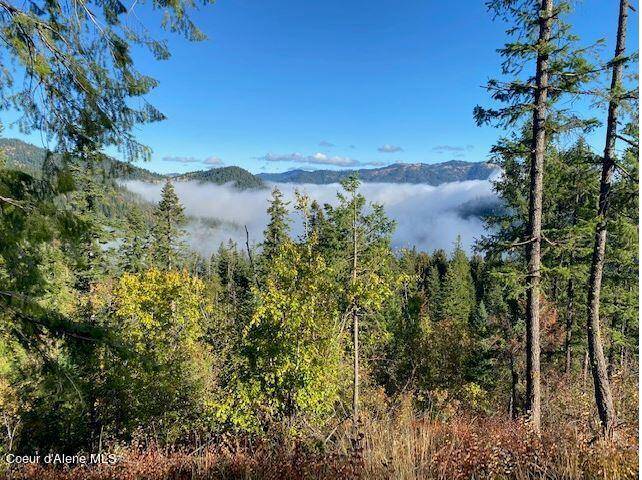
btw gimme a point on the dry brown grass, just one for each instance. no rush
(400, 447)
(403, 444)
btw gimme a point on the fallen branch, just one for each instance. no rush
(11, 201)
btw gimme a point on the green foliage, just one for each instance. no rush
(240, 178)
(166, 236)
(568, 67)
(278, 226)
(32, 159)
(292, 343)
(110, 331)
(83, 67)
(135, 243)
(458, 291)
(161, 318)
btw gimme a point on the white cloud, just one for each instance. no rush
(427, 217)
(213, 161)
(452, 149)
(315, 159)
(319, 159)
(390, 148)
(177, 159)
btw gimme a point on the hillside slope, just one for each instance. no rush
(27, 157)
(241, 178)
(431, 174)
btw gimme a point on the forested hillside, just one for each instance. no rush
(240, 178)
(29, 158)
(323, 353)
(431, 174)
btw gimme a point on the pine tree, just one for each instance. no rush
(543, 41)
(317, 219)
(278, 226)
(570, 192)
(134, 248)
(166, 243)
(603, 396)
(434, 293)
(458, 291)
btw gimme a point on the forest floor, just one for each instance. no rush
(459, 449)
(401, 444)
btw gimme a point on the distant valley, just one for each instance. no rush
(221, 202)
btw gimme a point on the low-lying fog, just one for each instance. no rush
(427, 217)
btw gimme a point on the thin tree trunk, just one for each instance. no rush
(622, 347)
(603, 397)
(355, 320)
(533, 388)
(569, 326)
(249, 255)
(610, 364)
(512, 405)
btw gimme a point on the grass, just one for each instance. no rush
(400, 447)
(401, 444)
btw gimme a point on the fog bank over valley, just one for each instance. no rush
(427, 217)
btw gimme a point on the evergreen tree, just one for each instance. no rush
(135, 243)
(317, 219)
(86, 202)
(543, 41)
(359, 245)
(78, 67)
(458, 291)
(166, 242)
(278, 226)
(451, 341)
(434, 293)
(603, 395)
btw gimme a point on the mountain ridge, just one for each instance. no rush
(428, 173)
(26, 156)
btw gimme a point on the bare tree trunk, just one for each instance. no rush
(355, 392)
(512, 405)
(610, 363)
(355, 321)
(533, 388)
(249, 256)
(603, 397)
(622, 347)
(569, 326)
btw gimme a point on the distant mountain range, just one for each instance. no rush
(429, 173)
(26, 156)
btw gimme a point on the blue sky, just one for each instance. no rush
(284, 84)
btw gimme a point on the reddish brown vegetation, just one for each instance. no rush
(400, 447)
(405, 445)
